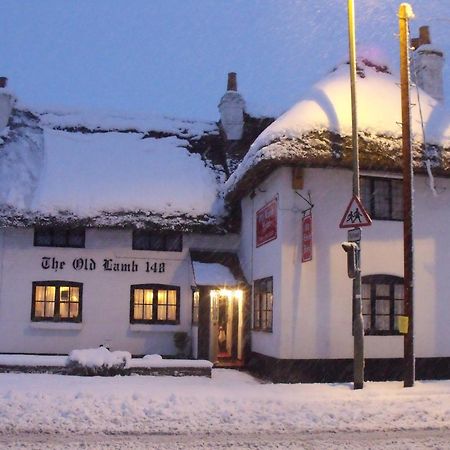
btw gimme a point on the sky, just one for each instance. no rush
(171, 57)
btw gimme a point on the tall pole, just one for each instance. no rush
(404, 14)
(358, 324)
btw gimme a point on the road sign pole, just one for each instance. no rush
(358, 326)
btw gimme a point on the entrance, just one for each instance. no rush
(226, 327)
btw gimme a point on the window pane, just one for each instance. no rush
(148, 296)
(59, 238)
(138, 312)
(382, 290)
(173, 243)
(138, 296)
(74, 294)
(366, 307)
(73, 310)
(162, 297)
(64, 310)
(397, 199)
(367, 324)
(50, 292)
(148, 312)
(172, 297)
(365, 291)
(398, 307)
(366, 194)
(398, 291)
(162, 312)
(382, 323)
(381, 198)
(49, 309)
(40, 293)
(383, 306)
(157, 242)
(43, 237)
(75, 238)
(172, 312)
(64, 293)
(39, 309)
(141, 240)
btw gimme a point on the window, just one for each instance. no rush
(382, 198)
(195, 306)
(155, 303)
(59, 237)
(382, 303)
(163, 242)
(263, 304)
(56, 301)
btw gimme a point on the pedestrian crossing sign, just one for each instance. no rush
(355, 215)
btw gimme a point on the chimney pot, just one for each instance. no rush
(232, 82)
(424, 35)
(3, 82)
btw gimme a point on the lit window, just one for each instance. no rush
(382, 303)
(155, 303)
(195, 306)
(382, 198)
(263, 304)
(56, 301)
(162, 242)
(59, 237)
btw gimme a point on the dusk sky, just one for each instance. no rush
(171, 57)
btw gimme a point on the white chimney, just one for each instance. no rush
(231, 108)
(428, 65)
(7, 101)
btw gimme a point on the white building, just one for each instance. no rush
(128, 232)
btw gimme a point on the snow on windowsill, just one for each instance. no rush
(154, 327)
(56, 325)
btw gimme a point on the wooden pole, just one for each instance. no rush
(404, 14)
(358, 324)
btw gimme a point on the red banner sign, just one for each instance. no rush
(266, 223)
(307, 238)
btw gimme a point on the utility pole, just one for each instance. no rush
(358, 324)
(405, 13)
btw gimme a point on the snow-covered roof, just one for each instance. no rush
(107, 171)
(212, 274)
(317, 130)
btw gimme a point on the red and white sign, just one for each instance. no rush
(355, 215)
(266, 223)
(307, 238)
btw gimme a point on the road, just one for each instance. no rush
(375, 440)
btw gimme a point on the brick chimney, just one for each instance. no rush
(231, 108)
(7, 101)
(428, 65)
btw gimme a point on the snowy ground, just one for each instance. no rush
(230, 410)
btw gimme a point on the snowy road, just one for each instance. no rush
(230, 410)
(375, 440)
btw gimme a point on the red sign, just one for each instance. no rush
(355, 215)
(266, 223)
(307, 238)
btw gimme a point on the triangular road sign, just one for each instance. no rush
(355, 215)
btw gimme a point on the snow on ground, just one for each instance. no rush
(231, 402)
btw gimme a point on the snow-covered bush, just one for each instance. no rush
(98, 361)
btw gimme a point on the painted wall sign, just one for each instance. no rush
(266, 223)
(307, 238)
(106, 264)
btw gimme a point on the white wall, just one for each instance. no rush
(313, 299)
(106, 294)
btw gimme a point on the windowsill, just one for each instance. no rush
(154, 327)
(56, 325)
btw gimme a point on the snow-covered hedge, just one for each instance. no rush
(98, 361)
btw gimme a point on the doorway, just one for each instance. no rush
(226, 327)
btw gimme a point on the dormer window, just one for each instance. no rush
(382, 198)
(59, 237)
(159, 242)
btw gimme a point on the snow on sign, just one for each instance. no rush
(266, 223)
(355, 215)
